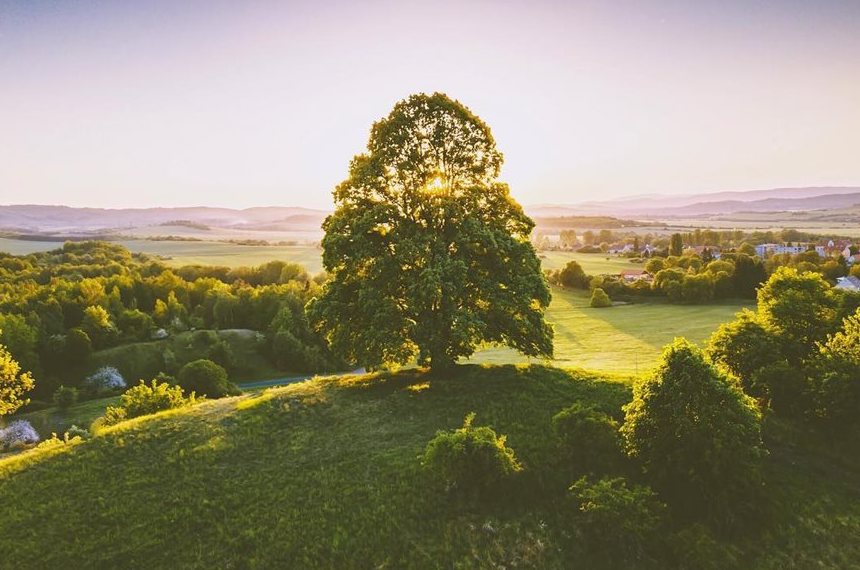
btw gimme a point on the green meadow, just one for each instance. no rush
(327, 474)
(623, 339)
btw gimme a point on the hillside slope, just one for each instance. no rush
(326, 474)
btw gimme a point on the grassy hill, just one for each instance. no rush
(326, 474)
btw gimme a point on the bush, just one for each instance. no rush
(599, 299)
(75, 431)
(572, 275)
(615, 526)
(589, 438)
(145, 399)
(65, 397)
(470, 460)
(697, 437)
(105, 379)
(18, 434)
(207, 379)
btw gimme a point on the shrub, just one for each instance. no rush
(470, 460)
(18, 434)
(572, 275)
(613, 525)
(65, 397)
(589, 438)
(145, 399)
(207, 379)
(599, 299)
(75, 431)
(697, 437)
(105, 379)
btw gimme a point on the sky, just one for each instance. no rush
(255, 103)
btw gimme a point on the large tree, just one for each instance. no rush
(428, 253)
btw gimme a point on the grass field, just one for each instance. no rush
(307, 255)
(196, 252)
(624, 339)
(592, 263)
(326, 474)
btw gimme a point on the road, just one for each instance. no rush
(294, 379)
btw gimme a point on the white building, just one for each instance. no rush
(849, 283)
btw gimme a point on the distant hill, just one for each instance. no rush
(67, 220)
(712, 203)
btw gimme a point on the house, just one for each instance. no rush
(849, 283)
(776, 248)
(631, 275)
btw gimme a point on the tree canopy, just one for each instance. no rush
(13, 383)
(697, 436)
(427, 252)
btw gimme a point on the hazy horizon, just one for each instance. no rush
(215, 104)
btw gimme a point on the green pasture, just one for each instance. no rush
(623, 339)
(327, 474)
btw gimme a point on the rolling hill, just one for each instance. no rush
(327, 474)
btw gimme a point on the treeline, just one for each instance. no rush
(590, 241)
(700, 278)
(57, 307)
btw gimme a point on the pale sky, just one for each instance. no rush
(253, 103)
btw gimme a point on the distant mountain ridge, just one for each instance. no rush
(713, 203)
(38, 218)
(46, 219)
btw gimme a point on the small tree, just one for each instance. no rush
(599, 299)
(65, 397)
(206, 378)
(572, 275)
(13, 383)
(799, 308)
(105, 379)
(697, 437)
(470, 460)
(676, 245)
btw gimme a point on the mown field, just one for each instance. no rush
(625, 339)
(327, 474)
(308, 255)
(196, 252)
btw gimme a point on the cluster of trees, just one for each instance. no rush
(680, 467)
(57, 307)
(798, 351)
(699, 278)
(594, 241)
(681, 279)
